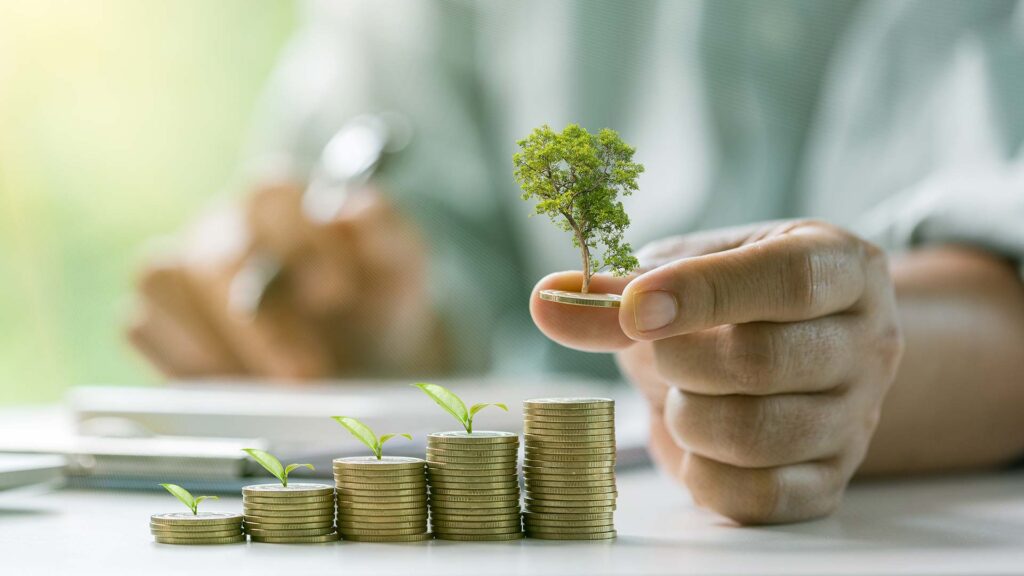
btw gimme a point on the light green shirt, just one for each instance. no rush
(902, 120)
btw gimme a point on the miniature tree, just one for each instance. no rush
(576, 178)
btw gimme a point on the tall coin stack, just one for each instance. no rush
(474, 485)
(202, 528)
(569, 468)
(381, 500)
(293, 514)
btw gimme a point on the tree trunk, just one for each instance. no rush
(583, 248)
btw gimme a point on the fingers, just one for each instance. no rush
(170, 330)
(805, 272)
(765, 495)
(759, 431)
(579, 327)
(761, 358)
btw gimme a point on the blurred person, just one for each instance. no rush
(853, 304)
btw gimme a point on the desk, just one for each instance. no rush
(954, 525)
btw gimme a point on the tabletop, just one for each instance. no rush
(952, 525)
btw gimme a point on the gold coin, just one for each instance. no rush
(369, 521)
(474, 505)
(374, 463)
(512, 516)
(417, 504)
(420, 496)
(393, 532)
(299, 514)
(440, 532)
(443, 498)
(558, 413)
(296, 539)
(563, 436)
(287, 520)
(456, 450)
(569, 403)
(535, 483)
(289, 501)
(551, 502)
(484, 437)
(345, 526)
(386, 493)
(473, 491)
(290, 492)
(569, 427)
(552, 442)
(304, 525)
(452, 485)
(481, 537)
(371, 487)
(559, 517)
(263, 533)
(199, 535)
(194, 529)
(504, 473)
(572, 465)
(557, 499)
(394, 538)
(543, 472)
(601, 417)
(591, 299)
(200, 541)
(573, 491)
(607, 523)
(545, 456)
(474, 524)
(382, 472)
(549, 536)
(434, 460)
(203, 518)
(445, 466)
(580, 510)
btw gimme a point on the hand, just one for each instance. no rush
(350, 298)
(765, 353)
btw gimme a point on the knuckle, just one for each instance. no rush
(744, 440)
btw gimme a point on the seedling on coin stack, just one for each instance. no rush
(195, 527)
(473, 475)
(287, 513)
(380, 498)
(576, 178)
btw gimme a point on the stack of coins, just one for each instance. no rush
(474, 485)
(569, 468)
(202, 528)
(293, 514)
(381, 500)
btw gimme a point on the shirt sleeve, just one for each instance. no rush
(982, 207)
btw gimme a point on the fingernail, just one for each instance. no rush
(654, 310)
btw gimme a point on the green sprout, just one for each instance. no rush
(454, 405)
(365, 435)
(186, 497)
(576, 178)
(273, 465)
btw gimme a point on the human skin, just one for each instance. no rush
(781, 359)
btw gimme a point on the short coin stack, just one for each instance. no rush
(202, 528)
(569, 468)
(381, 500)
(293, 514)
(474, 485)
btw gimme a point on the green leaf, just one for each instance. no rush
(361, 431)
(183, 495)
(478, 407)
(268, 461)
(446, 399)
(387, 437)
(288, 469)
(200, 499)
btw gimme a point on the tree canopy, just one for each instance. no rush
(576, 178)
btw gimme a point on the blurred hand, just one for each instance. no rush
(350, 298)
(765, 353)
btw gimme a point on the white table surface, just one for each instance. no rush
(954, 525)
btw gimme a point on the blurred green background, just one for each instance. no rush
(119, 120)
